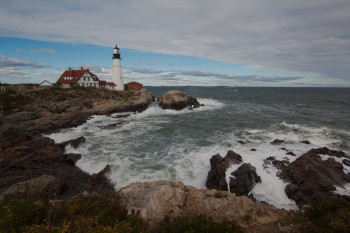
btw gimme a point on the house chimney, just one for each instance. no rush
(81, 68)
(70, 68)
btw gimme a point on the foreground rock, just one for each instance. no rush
(177, 100)
(313, 179)
(45, 186)
(156, 200)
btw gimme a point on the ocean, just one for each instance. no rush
(177, 145)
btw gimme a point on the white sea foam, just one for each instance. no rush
(345, 190)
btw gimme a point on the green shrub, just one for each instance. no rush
(329, 216)
(14, 214)
(97, 213)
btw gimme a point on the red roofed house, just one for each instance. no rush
(83, 78)
(134, 86)
(103, 84)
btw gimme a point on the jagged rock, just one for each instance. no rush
(279, 164)
(233, 158)
(41, 187)
(312, 179)
(277, 142)
(96, 178)
(216, 178)
(155, 200)
(72, 158)
(177, 100)
(291, 153)
(245, 178)
(253, 149)
(346, 162)
(75, 143)
(305, 142)
(327, 151)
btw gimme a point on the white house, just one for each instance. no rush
(45, 84)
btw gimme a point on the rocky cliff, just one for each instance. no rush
(25, 116)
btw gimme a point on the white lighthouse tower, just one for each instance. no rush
(117, 76)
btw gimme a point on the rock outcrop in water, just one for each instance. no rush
(242, 180)
(216, 178)
(177, 100)
(313, 179)
(25, 154)
(156, 200)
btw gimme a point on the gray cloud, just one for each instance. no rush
(306, 36)
(12, 62)
(171, 75)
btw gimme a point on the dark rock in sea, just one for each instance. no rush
(177, 100)
(75, 143)
(216, 178)
(241, 142)
(245, 178)
(233, 158)
(72, 158)
(279, 164)
(305, 142)
(327, 151)
(346, 162)
(97, 178)
(253, 149)
(277, 142)
(312, 179)
(291, 153)
(217, 174)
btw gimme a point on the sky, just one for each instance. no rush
(179, 42)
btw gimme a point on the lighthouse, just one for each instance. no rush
(117, 76)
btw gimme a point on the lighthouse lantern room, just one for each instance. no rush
(117, 76)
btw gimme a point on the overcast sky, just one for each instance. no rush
(267, 42)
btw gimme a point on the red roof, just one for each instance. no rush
(76, 75)
(104, 83)
(134, 83)
(112, 84)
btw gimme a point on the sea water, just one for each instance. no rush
(177, 145)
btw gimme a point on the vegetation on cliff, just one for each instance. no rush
(89, 214)
(103, 213)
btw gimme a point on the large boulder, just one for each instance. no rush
(243, 180)
(159, 199)
(177, 100)
(313, 179)
(216, 178)
(45, 186)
